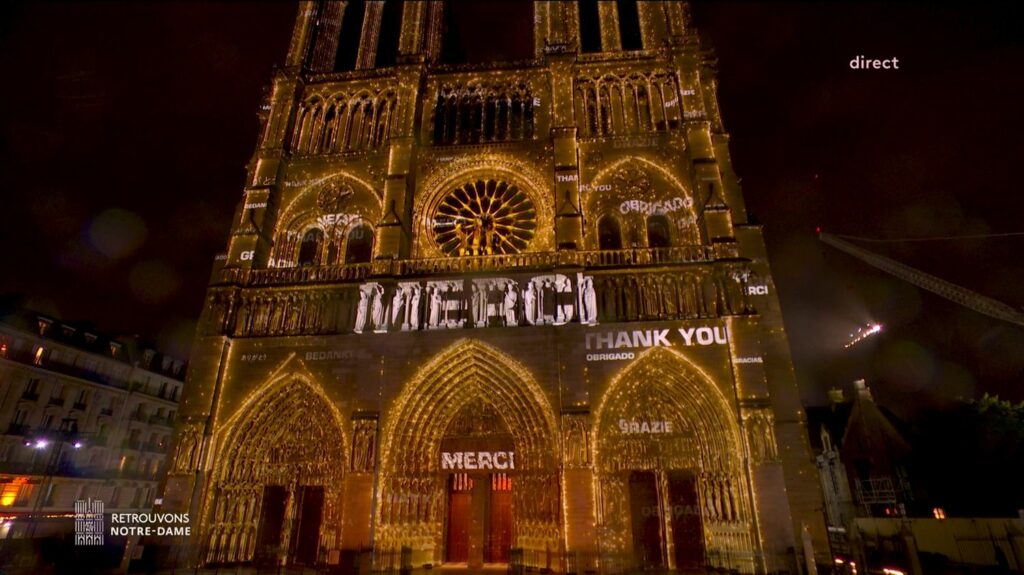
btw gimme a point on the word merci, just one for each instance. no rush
(862, 63)
(478, 460)
(632, 427)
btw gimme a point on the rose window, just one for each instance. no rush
(484, 218)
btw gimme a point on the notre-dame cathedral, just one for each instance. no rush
(480, 310)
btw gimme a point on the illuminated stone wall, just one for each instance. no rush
(538, 272)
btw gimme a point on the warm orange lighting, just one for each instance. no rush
(939, 512)
(38, 359)
(10, 491)
(891, 571)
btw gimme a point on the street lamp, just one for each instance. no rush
(67, 433)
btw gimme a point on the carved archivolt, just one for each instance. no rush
(662, 414)
(288, 434)
(412, 486)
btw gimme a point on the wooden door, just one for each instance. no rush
(268, 534)
(646, 519)
(687, 528)
(499, 532)
(460, 499)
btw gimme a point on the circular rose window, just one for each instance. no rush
(484, 218)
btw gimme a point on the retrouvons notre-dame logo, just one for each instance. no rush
(88, 522)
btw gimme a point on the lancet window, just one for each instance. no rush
(618, 105)
(344, 124)
(478, 113)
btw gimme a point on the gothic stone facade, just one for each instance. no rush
(511, 312)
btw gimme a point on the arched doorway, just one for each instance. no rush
(275, 493)
(672, 489)
(468, 464)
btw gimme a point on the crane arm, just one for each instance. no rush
(952, 292)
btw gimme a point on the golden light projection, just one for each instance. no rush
(484, 218)
(431, 399)
(467, 377)
(10, 492)
(286, 434)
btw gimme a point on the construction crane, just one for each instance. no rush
(940, 287)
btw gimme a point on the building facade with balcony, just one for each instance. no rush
(477, 311)
(84, 416)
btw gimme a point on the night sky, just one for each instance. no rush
(126, 129)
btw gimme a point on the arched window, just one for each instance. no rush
(309, 251)
(609, 234)
(657, 232)
(359, 248)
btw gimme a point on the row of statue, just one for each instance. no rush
(498, 302)
(552, 299)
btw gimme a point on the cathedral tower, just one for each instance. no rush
(477, 311)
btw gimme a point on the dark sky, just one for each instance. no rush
(126, 128)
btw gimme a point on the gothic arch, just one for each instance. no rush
(667, 378)
(467, 372)
(653, 190)
(705, 443)
(287, 434)
(334, 205)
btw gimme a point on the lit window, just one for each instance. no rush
(3, 349)
(10, 491)
(38, 357)
(939, 513)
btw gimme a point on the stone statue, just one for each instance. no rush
(530, 304)
(361, 312)
(396, 305)
(475, 301)
(378, 306)
(565, 300)
(435, 307)
(511, 297)
(588, 314)
(414, 308)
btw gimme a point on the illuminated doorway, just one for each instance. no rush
(499, 516)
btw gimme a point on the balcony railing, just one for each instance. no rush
(472, 264)
(58, 401)
(78, 405)
(30, 396)
(108, 411)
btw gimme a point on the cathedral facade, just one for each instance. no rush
(494, 312)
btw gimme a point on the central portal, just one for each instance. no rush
(484, 501)
(478, 458)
